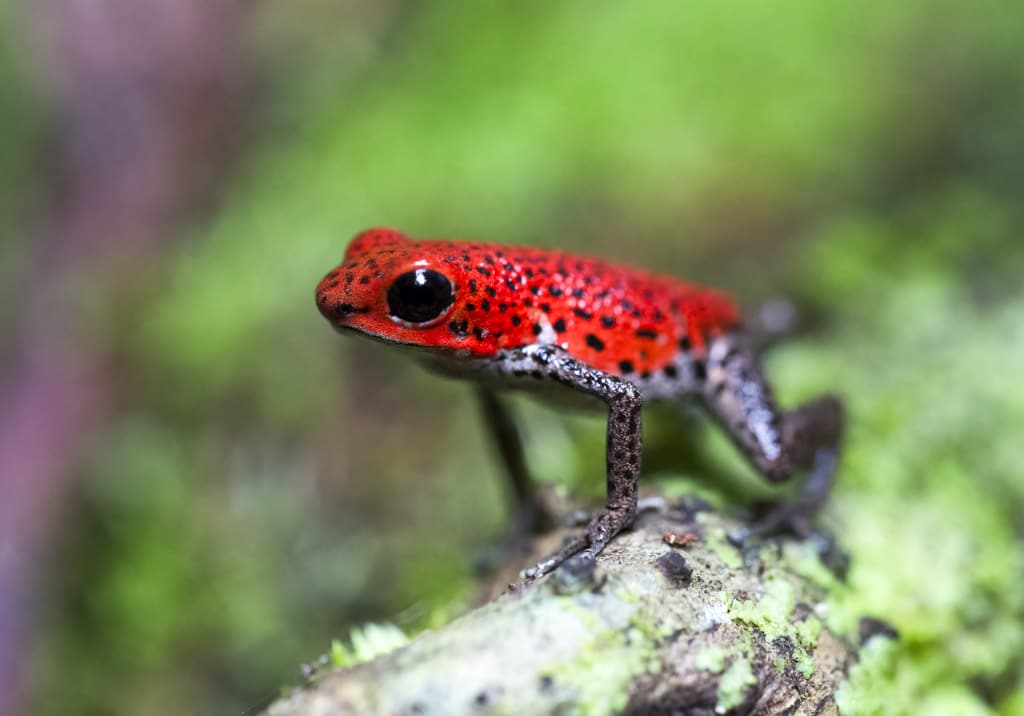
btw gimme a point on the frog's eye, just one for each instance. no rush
(420, 296)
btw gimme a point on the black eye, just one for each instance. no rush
(420, 296)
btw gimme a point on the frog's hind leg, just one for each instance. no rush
(779, 444)
(531, 514)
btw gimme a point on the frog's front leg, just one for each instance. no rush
(777, 443)
(622, 450)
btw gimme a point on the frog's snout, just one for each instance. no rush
(332, 303)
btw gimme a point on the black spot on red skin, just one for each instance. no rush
(332, 274)
(555, 291)
(535, 290)
(647, 333)
(511, 284)
(579, 293)
(472, 285)
(470, 306)
(559, 325)
(516, 320)
(528, 302)
(684, 344)
(537, 329)
(482, 270)
(670, 371)
(491, 292)
(485, 305)
(364, 280)
(546, 307)
(607, 321)
(594, 342)
(478, 333)
(700, 370)
(583, 314)
(625, 367)
(333, 284)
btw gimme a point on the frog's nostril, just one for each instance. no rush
(343, 310)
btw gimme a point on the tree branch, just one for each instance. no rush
(696, 627)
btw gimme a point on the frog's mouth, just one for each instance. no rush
(349, 329)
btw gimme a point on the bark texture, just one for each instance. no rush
(695, 627)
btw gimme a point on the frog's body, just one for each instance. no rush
(554, 322)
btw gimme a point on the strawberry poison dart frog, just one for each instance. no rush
(569, 326)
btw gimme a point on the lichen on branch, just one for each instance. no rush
(672, 619)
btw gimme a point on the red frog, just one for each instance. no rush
(570, 326)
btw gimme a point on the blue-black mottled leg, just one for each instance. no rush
(622, 450)
(777, 443)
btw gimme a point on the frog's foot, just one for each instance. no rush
(796, 516)
(573, 546)
(600, 531)
(652, 503)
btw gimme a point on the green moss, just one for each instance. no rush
(602, 672)
(808, 631)
(367, 642)
(771, 613)
(715, 538)
(712, 659)
(804, 663)
(734, 684)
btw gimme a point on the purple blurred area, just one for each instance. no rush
(146, 101)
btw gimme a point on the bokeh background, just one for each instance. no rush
(201, 485)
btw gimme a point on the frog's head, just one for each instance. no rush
(397, 290)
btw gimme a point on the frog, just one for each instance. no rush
(583, 331)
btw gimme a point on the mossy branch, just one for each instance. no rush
(694, 627)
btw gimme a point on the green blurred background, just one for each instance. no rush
(257, 485)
